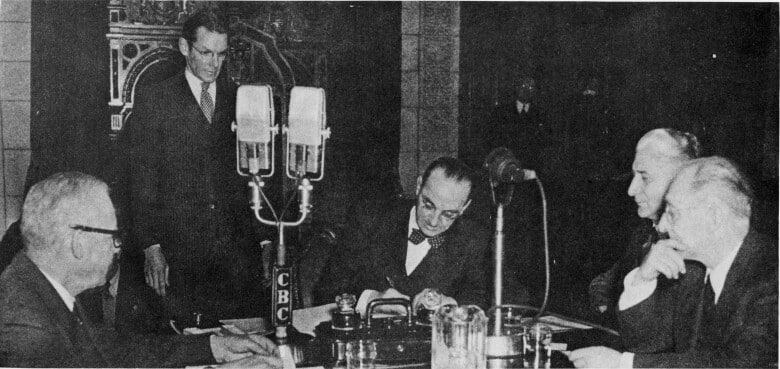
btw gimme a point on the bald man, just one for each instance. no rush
(726, 317)
(659, 155)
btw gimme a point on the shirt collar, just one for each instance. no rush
(412, 221)
(66, 297)
(719, 273)
(195, 83)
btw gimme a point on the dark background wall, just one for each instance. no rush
(69, 87)
(711, 69)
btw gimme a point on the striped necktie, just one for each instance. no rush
(206, 102)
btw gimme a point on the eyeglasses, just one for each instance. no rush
(208, 54)
(115, 233)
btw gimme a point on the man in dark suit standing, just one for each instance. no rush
(70, 236)
(189, 207)
(726, 317)
(403, 249)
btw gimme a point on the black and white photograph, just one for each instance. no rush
(389, 184)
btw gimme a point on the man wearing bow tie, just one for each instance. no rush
(403, 249)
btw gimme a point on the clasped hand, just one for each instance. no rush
(664, 258)
(241, 351)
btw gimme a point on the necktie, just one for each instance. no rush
(206, 103)
(708, 299)
(418, 237)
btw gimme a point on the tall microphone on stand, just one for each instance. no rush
(504, 170)
(306, 134)
(503, 167)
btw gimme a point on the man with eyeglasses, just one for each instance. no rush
(70, 237)
(405, 249)
(190, 216)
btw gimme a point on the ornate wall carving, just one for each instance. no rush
(275, 43)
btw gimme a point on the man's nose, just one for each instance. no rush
(633, 188)
(434, 221)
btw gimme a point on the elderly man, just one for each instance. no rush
(404, 249)
(69, 231)
(724, 318)
(659, 155)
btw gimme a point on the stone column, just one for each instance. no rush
(430, 37)
(14, 106)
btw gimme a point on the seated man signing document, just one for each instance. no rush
(70, 237)
(404, 249)
(724, 317)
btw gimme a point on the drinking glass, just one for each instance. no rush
(537, 347)
(361, 354)
(458, 337)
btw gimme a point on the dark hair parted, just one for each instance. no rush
(204, 18)
(453, 168)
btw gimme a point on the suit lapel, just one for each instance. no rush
(398, 241)
(434, 266)
(58, 312)
(744, 272)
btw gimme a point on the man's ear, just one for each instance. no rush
(184, 46)
(77, 247)
(419, 185)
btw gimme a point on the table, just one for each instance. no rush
(565, 330)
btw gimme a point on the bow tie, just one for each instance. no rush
(418, 237)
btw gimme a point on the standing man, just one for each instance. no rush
(70, 237)
(403, 248)
(659, 155)
(190, 212)
(726, 317)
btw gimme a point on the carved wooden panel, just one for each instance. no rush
(275, 43)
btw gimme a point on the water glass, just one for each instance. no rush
(361, 354)
(537, 347)
(506, 336)
(458, 337)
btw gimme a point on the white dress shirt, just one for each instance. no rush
(66, 297)
(414, 253)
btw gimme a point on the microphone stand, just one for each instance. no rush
(282, 301)
(498, 251)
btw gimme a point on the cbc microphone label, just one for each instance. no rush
(282, 293)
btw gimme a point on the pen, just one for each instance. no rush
(390, 282)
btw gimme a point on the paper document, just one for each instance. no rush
(305, 320)
(558, 324)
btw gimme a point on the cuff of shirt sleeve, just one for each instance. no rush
(626, 360)
(635, 292)
(216, 350)
(365, 297)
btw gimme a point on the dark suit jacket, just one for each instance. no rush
(374, 256)
(38, 330)
(666, 330)
(185, 192)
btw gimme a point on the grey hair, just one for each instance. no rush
(687, 143)
(52, 204)
(718, 177)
